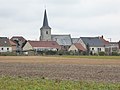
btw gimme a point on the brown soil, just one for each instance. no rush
(61, 68)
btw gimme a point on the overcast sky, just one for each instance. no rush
(80, 18)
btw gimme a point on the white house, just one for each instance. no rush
(5, 45)
(96, 44)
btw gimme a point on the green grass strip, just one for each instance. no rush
(22, 83)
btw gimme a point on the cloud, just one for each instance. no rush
(75, 17)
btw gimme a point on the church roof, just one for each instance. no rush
(45, 21)
(62, 39)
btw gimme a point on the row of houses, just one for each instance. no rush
(95, 45)
(50, 42)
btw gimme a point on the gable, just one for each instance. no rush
(27, 46)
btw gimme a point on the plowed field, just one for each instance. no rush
(99, 70)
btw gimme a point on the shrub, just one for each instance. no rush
(115, 54)
(51, 52)
(101, 53)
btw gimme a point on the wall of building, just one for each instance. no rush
(27, 47)
(73, 48)
(97, 49)
(45, 35)
(44, 48)
(5, 49)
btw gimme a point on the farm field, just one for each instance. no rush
(105, 71)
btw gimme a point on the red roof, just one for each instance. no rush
(12, 43)
(104, 41)
(79, 46)
(52, 44)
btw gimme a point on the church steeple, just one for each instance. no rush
(45, 21)
(45, 30)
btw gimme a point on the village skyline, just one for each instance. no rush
(80, 18)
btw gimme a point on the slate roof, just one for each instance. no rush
(45, 21)
(75, 40)
(51, 44)
(62, 39)
(4, 42)
(79, 46)
(93, 41)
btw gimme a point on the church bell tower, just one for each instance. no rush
(45, 30)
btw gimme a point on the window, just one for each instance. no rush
(46, 32)
(7, 48)
(1, 48)
(99, 49)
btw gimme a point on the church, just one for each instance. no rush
(64, 41)
(49, 41)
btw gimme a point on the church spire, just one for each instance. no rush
(45, 21)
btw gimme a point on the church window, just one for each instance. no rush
(46, 32)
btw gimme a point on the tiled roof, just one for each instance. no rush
(19, 38)
(12, 43)
(51, 44)
(93, 41)
(4, 42)
(79, 46)
(62, 39)
(104, 41)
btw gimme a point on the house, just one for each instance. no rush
(19, 41)
(119, 46)
(45, 35)
(5, 45)
(95, 44)
(41, 46)
(77, 47)
(112, 47)
(14, 45)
